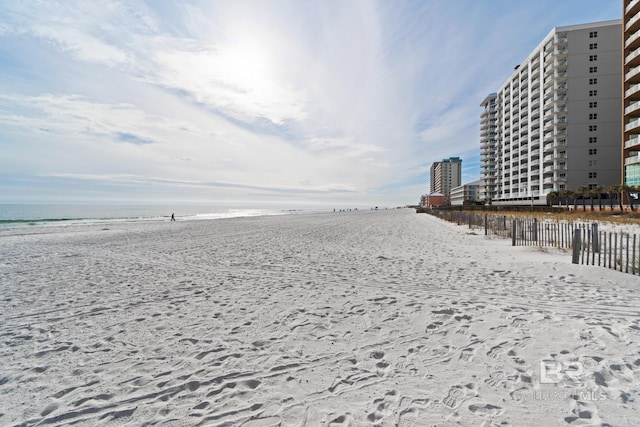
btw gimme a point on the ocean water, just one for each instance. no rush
(15, 215)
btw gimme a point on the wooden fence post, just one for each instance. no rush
(596, 240)
(633, 260)
(626, 268)
(513, 232)
(577, 235)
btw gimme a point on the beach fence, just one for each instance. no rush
(589, 245)
(618, 251)
(521, 231)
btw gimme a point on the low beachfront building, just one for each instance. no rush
(433, 200)
(466, 194)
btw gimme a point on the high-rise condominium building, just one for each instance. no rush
(489, 147)
(555, 124)
(631, 92)
(445, 175)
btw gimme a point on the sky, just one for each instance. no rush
(332, 103)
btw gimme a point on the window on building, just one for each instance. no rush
(593, 46)
(593, 34)
(593, 81)
(593, 58)
(593, 151)
(593, 69)
(593, 128)
(593, 139)
(593, 104)
(593, 163)
(593, 116)
(593, 175)
(593, 93)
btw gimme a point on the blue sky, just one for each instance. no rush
(297, 103)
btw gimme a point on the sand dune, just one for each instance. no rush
(341, 319)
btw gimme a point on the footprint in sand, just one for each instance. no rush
(433, 326)
(496, 351)
(408, 418)
(486, 410)
(495, 378)
(523, 342)
(518, 322)
(467, 354)
(452, 397)
(464, 330)
(584, 413)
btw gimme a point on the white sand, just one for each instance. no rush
(360, 318)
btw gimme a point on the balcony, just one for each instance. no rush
(560, 99)
(632, 125)
(561, 52)
(634, 72)
(631, 40)
(535, 72)
(632, 22)
(632, 160)
(633, 141)
(633, 90)
(548, 82)
(633, 55)
(548, 136)
(535, 94)
(536, 60)
(633, 107)
(631, 5)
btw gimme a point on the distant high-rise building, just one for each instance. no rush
(555, 124)
(445, 175)
(631, 93)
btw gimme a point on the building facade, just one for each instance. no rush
(555, 124)
(631, 93)
(467, 193)
(445, 175)
(488, 147)
(433, 200)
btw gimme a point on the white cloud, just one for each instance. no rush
(81, 45)
(264, 97)
(237, 84)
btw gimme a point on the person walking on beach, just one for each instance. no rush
(173, 218)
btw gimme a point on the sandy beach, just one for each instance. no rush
(360, 318)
